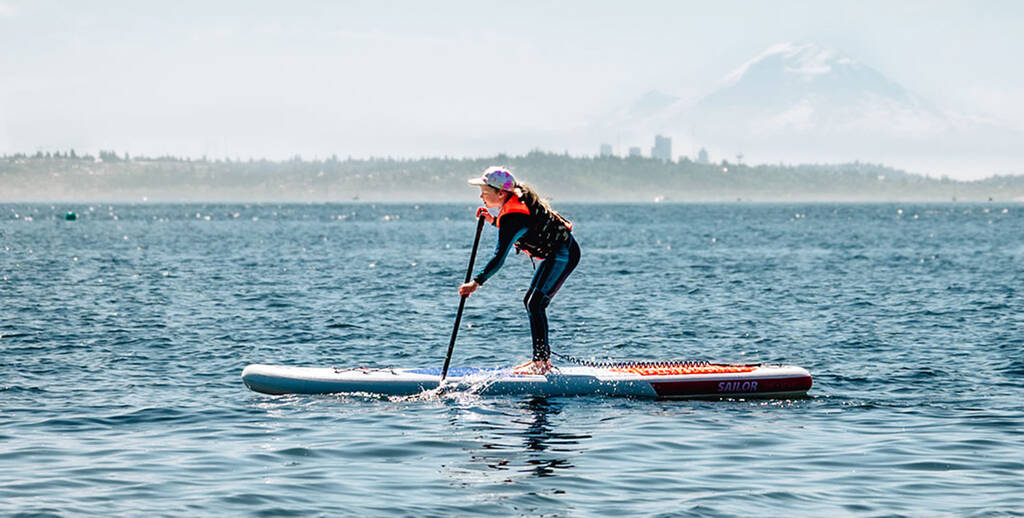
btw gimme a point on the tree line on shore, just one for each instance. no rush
(66, 175)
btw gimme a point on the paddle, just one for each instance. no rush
(462, 300)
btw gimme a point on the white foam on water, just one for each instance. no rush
(466, 389)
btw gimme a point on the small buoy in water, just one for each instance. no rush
(70, 216)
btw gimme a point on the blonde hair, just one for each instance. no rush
(531, 197)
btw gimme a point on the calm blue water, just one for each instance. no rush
(123, 335)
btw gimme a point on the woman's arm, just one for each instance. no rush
(513, 227)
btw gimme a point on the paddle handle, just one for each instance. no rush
(462, 300)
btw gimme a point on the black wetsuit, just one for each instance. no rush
(547, 279)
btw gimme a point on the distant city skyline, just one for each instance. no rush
(257, 79)
(661, 150)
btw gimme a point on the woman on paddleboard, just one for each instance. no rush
(526, 221)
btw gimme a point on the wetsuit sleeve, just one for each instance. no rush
(513, 227)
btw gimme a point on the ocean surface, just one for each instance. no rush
(123, 335)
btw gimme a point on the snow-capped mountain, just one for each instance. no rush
(805, 102)
(806, 87)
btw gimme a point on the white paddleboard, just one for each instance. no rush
(679, 381)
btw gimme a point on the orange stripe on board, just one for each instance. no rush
(675, 370)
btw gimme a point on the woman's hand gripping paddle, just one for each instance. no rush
(462, 300)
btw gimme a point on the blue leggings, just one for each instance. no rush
(548, 278)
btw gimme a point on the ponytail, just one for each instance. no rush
(530, 197)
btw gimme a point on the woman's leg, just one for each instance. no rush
(536, 302)
(547, 280)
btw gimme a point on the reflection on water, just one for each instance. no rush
(522, 439)
(546, 449)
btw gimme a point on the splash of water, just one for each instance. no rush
(462, 390)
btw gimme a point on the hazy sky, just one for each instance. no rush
(274, 79)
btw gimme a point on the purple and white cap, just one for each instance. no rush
(497, 177)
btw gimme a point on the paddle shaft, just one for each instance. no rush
(462, 300)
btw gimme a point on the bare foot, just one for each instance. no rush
(533, 367)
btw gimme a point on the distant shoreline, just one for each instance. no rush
(65, 177)
(79, 205)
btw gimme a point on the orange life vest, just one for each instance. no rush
(548, 230)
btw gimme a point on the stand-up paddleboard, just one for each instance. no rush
(701, 380)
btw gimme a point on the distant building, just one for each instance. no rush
(635, 152)
(702, 156)
(606, 150)
(662, 149)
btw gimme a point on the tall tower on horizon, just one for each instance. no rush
(662, 149)
(702, 156)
